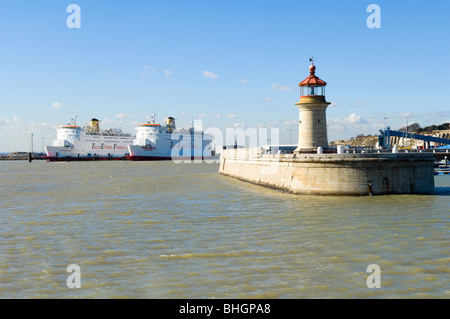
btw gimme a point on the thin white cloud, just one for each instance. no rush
(351, 119)
(355, 119)
(290, 122)
(108, 121)
(124, 116)
(404, 115)
(15, 121)
(437, 117)
(203, 115)
(147, 70)
(209, 74)
(271, 124)
(168, 73)
(183, 114)
(57, 105)
(232, 116)
(269, 99)
(334, 104)
(243, 81)
(219, 115)
(42, 127)
(236, 125)
(359, 103)
(279, 87)
(353, 125)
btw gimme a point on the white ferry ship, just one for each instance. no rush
(165, 142)
(89, 143)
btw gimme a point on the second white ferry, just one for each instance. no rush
(165, 142)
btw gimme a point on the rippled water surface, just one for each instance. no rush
(165, 230)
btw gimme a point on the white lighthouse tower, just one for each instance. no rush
(312, 129)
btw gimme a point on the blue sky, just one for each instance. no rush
(229, 63)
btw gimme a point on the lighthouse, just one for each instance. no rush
(312, 128)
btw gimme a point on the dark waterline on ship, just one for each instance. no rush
(166, 230)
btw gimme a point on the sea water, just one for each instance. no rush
(166, 230)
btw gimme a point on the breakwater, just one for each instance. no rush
(333, 174)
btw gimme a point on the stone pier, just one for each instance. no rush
(354, 174)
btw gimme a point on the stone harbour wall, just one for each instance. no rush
(353, 174)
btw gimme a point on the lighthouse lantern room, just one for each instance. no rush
(312, 85)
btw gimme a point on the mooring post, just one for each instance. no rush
(369, 188)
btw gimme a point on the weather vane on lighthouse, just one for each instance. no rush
(311, 59)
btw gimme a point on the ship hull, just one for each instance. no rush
(161, 158)
(85, 149)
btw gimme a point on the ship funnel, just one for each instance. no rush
(170, 124)
(95, 126)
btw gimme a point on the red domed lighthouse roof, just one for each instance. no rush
(312, 80)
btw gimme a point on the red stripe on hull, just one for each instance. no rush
(148, 158)
(84, 159)
(159, 158)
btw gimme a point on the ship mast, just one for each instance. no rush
(154, 116)
(74, 120)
